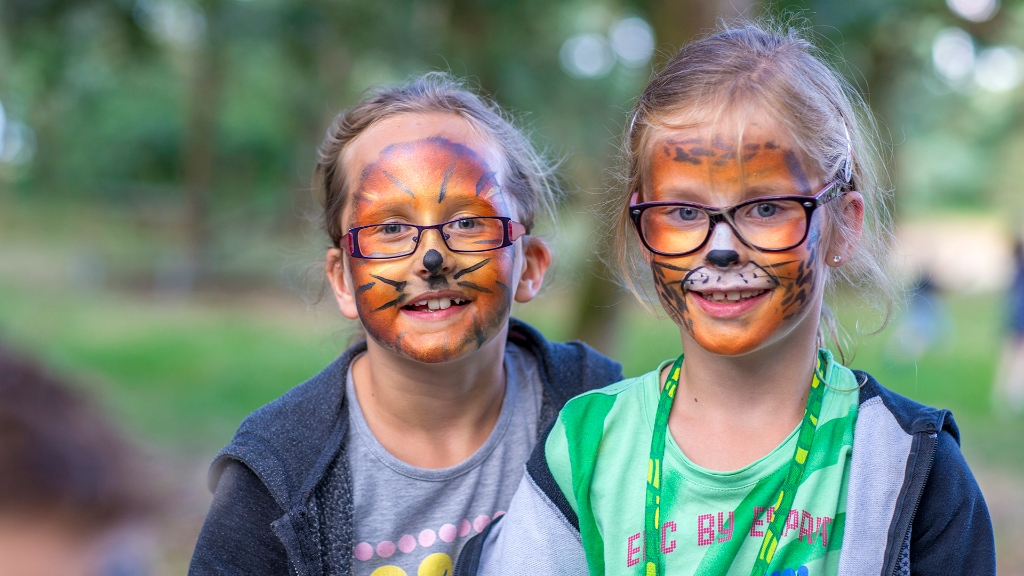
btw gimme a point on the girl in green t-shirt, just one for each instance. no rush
(753, 188)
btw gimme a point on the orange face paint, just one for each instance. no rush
(433, 305)
(731, 298)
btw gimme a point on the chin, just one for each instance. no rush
(427, 348)
(728, 347)
(729, 342)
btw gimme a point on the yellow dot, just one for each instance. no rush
(437, 564)
(388, 571)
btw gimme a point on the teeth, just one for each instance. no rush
(732, 296)
(440, 303)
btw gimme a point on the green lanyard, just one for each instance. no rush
(783, 501)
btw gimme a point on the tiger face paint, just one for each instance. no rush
(728, 297)
(434, 305)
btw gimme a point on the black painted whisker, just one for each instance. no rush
(387, 305)
(397, 284)
(476, 287)
(472, 268)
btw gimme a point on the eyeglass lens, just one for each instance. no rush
(464, 235)
(768, 225)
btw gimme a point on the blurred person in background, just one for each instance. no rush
(73, 500)
(923, 326)
(1008, 391)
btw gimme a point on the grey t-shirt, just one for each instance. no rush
(413, 521)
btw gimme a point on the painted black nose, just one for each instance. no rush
(432, 261)
(723, 258)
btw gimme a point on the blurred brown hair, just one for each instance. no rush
(59, 458)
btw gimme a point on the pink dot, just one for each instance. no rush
(481, 522)
(363, 551)
(464, 527)
(498, 513)
(427, 537)
(446, 533)
(406, 543)
(385, 549)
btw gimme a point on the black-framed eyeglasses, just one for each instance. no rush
(397, 239)
(769, 224)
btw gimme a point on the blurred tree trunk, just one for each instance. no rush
(330, 65)
(200, 147)
(675, 23)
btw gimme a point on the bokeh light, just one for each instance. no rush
(974, 10)
(174, 21)
(953, 55)
(633, 41)
(17, 141)
(587, 56)
(998, 69)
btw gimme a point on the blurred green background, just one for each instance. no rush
(157, 230)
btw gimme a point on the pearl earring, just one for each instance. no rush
(836, 259)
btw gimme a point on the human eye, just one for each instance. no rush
(689, 214)
(465, 224)
(389, 230)
(766, 210)
(685, 215)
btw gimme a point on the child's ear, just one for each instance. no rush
(852, 219)
(341, 283)
(536, 260)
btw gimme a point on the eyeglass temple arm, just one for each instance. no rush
(835, 190)
(515, 230)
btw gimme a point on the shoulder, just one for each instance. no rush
(566, 368)
(910, 478)
(616, 413)
(911, 416)
(283, 441)
(604, 398)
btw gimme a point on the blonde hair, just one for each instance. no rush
(529, 175)
(751, 66)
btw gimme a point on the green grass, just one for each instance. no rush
(183, 373)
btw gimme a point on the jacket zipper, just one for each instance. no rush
(933, 438)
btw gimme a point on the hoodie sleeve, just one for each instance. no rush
(236, 537)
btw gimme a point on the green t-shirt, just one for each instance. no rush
(598, 454)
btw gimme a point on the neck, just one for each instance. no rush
(431, 415)
(743, 383)
(732, 410)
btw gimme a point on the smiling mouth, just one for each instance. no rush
(435, 304)
(729, 295)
